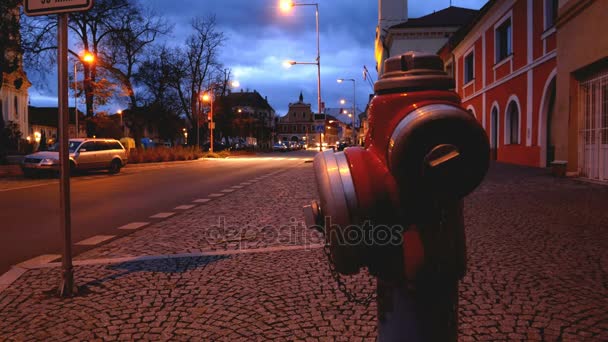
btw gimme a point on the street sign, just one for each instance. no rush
(320, 128)
(46, 7)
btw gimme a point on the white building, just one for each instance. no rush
(15, 85)
(397, 34)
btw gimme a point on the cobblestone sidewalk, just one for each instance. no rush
(537, 271)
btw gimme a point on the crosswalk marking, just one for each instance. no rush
(95, 240)
(162, 215)
(202, 200)
(40, 260)
(133, 225)
(216, 195)
(184, 207)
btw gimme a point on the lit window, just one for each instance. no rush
(469, 67)
(503, 41)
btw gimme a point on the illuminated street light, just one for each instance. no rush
(286, 6)
(209, 97)
(89, 59)
(340, 80)
(342, 101)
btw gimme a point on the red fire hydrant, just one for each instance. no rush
(395, 206)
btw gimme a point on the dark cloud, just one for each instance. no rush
(260, 38)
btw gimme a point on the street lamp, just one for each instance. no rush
(88, 58)
(286, 6)
(122, 127)
(209, 96)
(341, 80)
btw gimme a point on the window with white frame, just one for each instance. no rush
(512, 123)
(504, 37)
(550, 13)
(469, 67)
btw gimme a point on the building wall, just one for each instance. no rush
(582, 45)
(514, 79)
(404, 40)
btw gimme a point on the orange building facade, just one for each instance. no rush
(504, 65)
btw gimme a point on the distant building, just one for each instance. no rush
(298, 124)
(254, 116)
(302, 125)
(397, 34)
(15, 84)
(46, 119)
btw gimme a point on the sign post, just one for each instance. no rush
(61, 8)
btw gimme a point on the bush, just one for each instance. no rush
(164, 154)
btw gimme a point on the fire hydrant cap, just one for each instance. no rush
(413, 71)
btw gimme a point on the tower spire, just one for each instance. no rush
(301, 97)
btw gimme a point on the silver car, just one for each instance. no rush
(85, 154)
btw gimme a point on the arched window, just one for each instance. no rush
(16, 109)
(512, 124)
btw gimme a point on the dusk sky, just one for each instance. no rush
(260, 38)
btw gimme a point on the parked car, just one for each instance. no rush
(279, 147)
(341, 146)
(85, 154)
(217, 147)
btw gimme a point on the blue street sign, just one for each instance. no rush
(320, 128)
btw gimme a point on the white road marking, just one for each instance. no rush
(228, 190)
(10, 277)
(133, 225)
(95, 240)
(162, 215)
(237, 187)
(216, 195)
(184, 207)
(39, 260)
(246, 183)
(28, 186)
(201, 200)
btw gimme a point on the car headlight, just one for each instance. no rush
(47, 161)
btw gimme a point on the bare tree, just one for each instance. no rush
(197, 64)
(130, 36)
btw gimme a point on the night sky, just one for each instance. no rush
(260, 38)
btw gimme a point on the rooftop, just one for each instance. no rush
(451, 16)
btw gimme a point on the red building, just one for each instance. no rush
(504, 65)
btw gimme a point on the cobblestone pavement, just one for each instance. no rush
(537, 271)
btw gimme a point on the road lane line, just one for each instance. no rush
(201, 200)
(184, 207)
(95, 240)
(216, 195)
(228, 190)
(39, 260)
(237, 187)
(162, 215)
(133, 225)
(28, 186)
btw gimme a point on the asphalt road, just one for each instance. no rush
(29, 214)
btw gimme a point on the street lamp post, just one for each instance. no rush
(209, 97)
(287, 5)
(340, 80)
(89, 59)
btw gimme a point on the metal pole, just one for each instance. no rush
(211, 123)
(319, 75)
(198, 128)
(354, 110)
(66, 288)
(76, 97)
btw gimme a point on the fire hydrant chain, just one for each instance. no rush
(365, 301)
